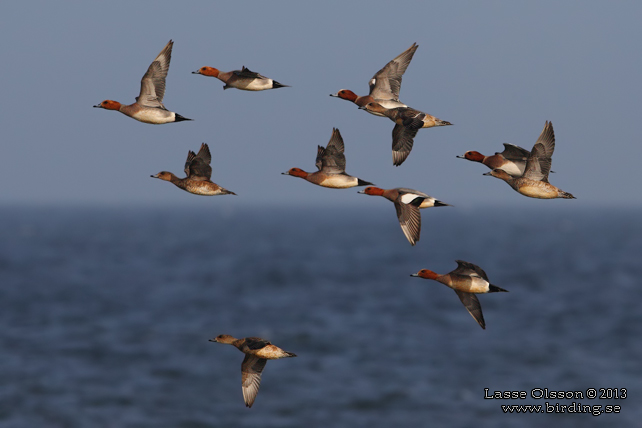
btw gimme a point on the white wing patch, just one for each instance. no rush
(409, 197)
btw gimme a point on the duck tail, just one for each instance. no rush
(276, 84)
(289, 354)
(495, 289)
(441, 204)
(179, 118)
(361, 182)
(567, 195)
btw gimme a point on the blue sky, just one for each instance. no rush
(496, 70)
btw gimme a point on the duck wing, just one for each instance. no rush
(247, 73)
(547, 140)
(331, 159)
(538, 165)
(514, 153)
(469, 269)
(251, 370)
(471, 303)
(152, 85)
(402, 140)
(409, 220)
(386, 83)
(197, 166)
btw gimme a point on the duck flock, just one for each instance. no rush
(525, 171)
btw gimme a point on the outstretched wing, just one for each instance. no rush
(386, 83)
(402, 140)
(538, 165)
(251, 370)
(410, 221)
(152, 85)
(197, 166)
(331, 159)
(547, 140)
(471, 303)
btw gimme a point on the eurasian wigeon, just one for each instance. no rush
(512, 159)
(244, 79)
(534, 183)
(331, 163)
(408, 122)
(384, 85)
(467, 280)
(257, 351)
(149, 106)
(407, 203)
(198, 171)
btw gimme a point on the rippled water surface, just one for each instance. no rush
(106, 316)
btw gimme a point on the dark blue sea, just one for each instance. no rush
(105, 317)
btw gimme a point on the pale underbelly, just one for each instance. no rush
(339, 182)
(538, 191)
(155, 116)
